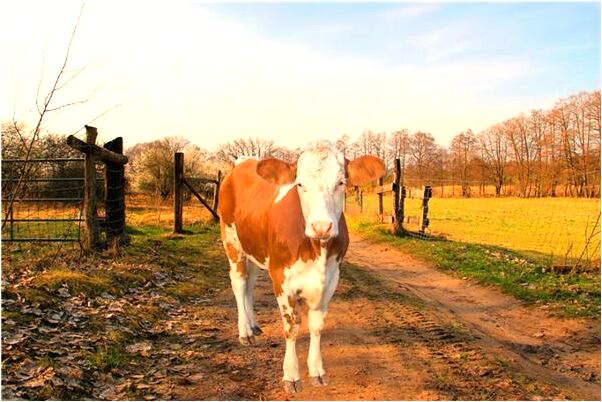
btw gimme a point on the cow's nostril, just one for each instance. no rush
(322, 228)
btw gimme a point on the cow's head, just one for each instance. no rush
(321, 174)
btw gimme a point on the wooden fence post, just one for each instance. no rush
(114, 186)
(397, 211)
(424, 221)
(361, 200)
(402, 204)
(11, 218)
(177, 191)
(217, 186)
(380, 200)
(115, 195)
(91, 229)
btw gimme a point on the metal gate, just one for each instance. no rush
(48, 201)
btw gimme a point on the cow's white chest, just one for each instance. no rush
(311, 279)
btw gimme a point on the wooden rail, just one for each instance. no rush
(180, 182)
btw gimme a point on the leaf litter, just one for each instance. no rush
(132, 340)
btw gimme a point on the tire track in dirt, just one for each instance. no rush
(359, 364)
(383, 340)
(565, 352)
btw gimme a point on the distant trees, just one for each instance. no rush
(548, 149)
(462, 149)
(494, 154)
(253, 147)
(543, 153)
(399, 148)
(423, 154)
(48, 145)
(151, 165)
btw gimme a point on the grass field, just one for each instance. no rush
(569, 294)
(556, 228)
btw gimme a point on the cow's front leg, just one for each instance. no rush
(314, 357)
(316, 319)
(290, 321)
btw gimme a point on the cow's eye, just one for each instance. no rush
(300, 186)
(341, 183)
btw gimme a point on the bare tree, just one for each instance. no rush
(522, 142)
(44, 107)
(399, 148)
(252, 147)
(286, 154)
(538, 126)
(151, 166)
(494, 148)
(343, 143)
(462, 149)
(423, 153)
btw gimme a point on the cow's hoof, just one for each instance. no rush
(246, 340)
(256, 330)
(291, 387)
(319, 381)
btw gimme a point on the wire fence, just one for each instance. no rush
(46, 205)
(145, 209)
(78, 200)
(563, 230)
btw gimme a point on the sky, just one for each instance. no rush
(293, 72)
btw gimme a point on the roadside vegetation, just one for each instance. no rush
(574, 293)
(559, 230)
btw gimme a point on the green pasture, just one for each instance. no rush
(563, 229)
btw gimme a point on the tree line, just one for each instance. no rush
(543, 153)
(554, 152)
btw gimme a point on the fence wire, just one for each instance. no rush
(562, 230)
(47, 204)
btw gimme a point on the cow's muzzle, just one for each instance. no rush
(322, 230)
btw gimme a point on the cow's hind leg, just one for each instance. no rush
(239, 279)
(252, 271)
(291, 321)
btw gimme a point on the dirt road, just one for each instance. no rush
(399, 329)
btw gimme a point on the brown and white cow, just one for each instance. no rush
(288, 219)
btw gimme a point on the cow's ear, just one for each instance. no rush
(276, 171)
(364, 169)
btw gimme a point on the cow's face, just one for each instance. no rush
(320, 175)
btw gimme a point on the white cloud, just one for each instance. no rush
(197, 74)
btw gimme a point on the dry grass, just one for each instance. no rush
(556, 227)
(54, 278)
(145, 210)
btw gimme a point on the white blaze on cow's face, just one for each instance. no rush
(320, 184)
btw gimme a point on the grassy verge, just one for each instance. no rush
(569, 294)
(561, 229)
